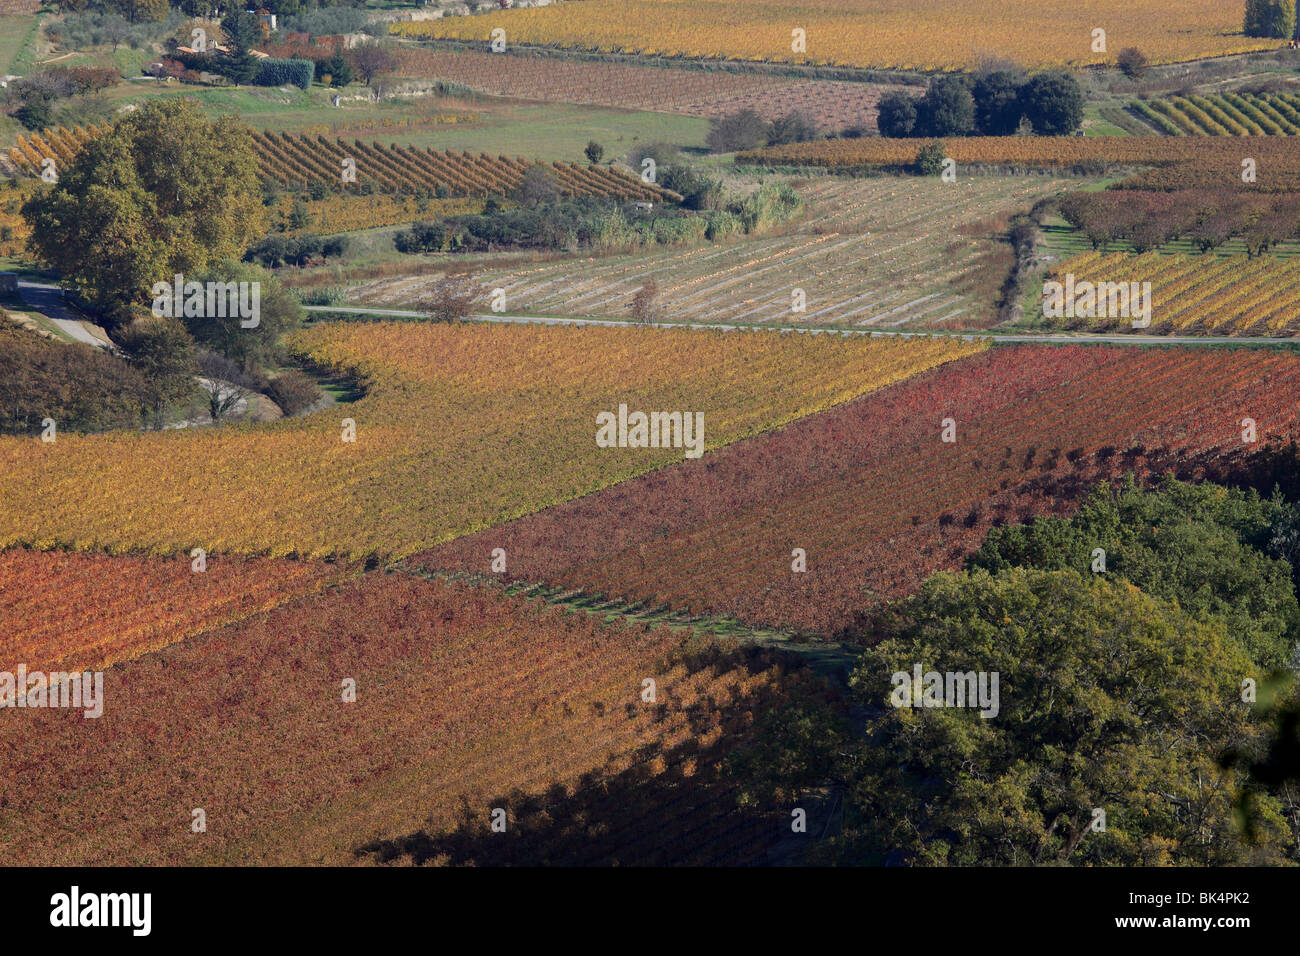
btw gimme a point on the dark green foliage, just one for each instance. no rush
(1201, 546)
(1053, 103)
(897, 115)
(947, 109)
(929, 159)
(997, 102)
(280, 72)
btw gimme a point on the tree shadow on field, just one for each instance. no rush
(672, 806)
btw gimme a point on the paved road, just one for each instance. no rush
(1074, 338)
(48, 300)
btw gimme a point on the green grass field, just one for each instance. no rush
(550, 132)
(16, 43)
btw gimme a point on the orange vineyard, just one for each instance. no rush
(61, 611)
(465, 701)
(463, 426)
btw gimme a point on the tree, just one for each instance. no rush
(140, 11)
(453, 297)
(538, 185)
(897, 115)
(80, 387)
(947, 109)
(1199, 545)
(741, 130)
(299, 215)
(594, 152)
(226, 384)
(1053, 103)
(371, 60)
(252, 346)
(421, 237)
(115, 30)
(34, 114)
(338, 68)
(165, 191)
(1132, 63)
(1270, 18)
(997, 102)
(242, 29)
(163, 352)
(1108, 698)
(645, 303)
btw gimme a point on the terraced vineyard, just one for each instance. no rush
(1222, 114)
(1220, 295)
(877, 253)
(295, 160)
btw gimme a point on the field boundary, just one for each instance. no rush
(994, 338)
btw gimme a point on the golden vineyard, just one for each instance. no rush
(294, 160)
(878, 34)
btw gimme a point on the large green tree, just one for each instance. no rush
(1053, 103)
(164, 191)
(1270, 18)
(242, 30)
(947, 109)
(1206, 547)
(1109, 700)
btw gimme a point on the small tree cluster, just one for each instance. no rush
(993, 103)
(745, 129)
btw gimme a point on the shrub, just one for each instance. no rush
(929, 159)
(645, 303)
(293, 391)
(1133, 63)
(277, 72)
(742, 130)
(453, 297)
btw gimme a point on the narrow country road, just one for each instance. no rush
(48, 300)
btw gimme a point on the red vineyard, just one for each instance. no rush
(465, 700)
(877, 500)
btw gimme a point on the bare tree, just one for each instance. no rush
(228, 387)
(645, 304)
(454, 296)
(371, 60)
